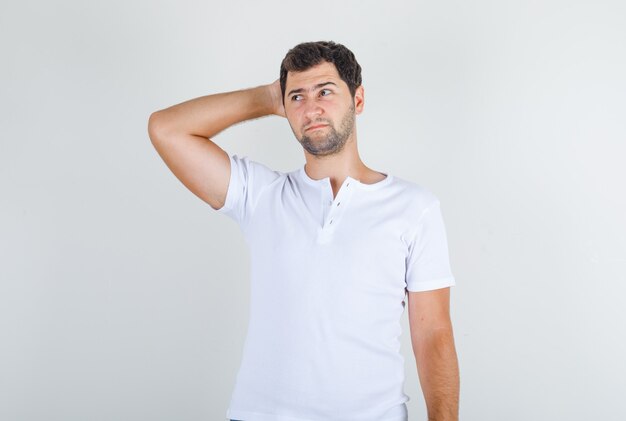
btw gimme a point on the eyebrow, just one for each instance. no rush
(319, 85)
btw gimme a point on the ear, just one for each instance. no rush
(359, 99)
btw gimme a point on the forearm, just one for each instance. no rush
(439, 374)
(208, 115)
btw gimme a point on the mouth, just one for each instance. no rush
(319, 126)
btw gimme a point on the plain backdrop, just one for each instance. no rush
(125, 297)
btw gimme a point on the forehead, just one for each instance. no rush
(322, 72)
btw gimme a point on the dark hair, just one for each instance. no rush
(308, 54)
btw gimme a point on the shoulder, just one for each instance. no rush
(254, 171)
(417, 197)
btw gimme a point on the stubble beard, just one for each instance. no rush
(334, 141)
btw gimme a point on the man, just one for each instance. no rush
(335, 247)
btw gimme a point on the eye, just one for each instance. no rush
(293, 97)
(325, 90)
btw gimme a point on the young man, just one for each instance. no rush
(335, 247)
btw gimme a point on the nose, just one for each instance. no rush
(313, 110)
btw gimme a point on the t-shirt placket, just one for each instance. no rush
(333, 210)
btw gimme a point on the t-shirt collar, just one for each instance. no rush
(326, 180)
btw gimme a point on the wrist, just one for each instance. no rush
(271, 99)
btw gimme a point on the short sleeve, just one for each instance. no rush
(248, 179)
(428, 262)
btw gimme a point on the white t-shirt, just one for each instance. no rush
(328, 279)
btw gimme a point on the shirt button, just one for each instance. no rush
(338, 203)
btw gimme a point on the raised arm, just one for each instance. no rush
(181, 135)
(435, 354)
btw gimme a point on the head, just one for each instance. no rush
(321, 85)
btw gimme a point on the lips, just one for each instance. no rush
(317, 127)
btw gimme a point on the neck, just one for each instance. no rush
(338, 166)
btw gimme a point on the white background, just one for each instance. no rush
(124, 297)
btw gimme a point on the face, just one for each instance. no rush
(320, 109)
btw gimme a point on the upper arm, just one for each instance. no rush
(427, 262)
(429, 311)
(201, 165)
